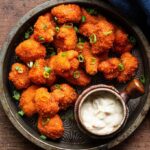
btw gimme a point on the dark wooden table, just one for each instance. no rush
(10, 138)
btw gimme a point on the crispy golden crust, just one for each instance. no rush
(45, 103)
(121, 42)
(37, 73)
(91, 61)
(110, 68)
(30, 50)
(65, 39)
(67, 97)
(51, 127)
(64, 61)
(67, 13)
(44, 29)
(130, 63)
(19, 76)
(26, 102)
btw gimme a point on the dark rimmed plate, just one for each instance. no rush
(73, 138)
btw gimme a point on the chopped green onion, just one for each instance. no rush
(81, 40)
(16, 95)
(45, 121)
(44, 27)
(46, 75)
(80, 45)
(76, 29)
(142, 79)
(41, 39)
(93, 38)
(120, 67)
(57, 86)
(83, 19)
(28, 33)
(93, 61)
(132, 40)
(76, 74)
(107, 33)
(55, 19)
(68, 25)
(43, 137)
(21, 113)
(91, 11)
(30, 64)
(47, 69)
(53, 53)
(64, 54)
(81, 58)
(19, 69)
(57, 29)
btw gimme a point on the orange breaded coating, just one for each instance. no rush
(101, 35)
(130, 64)
(30, 50)
(45, 103)
(26, 102)
(91, 61)
(69, 95)
(51, 127)
(121, 42)
(64, 61)
(41, 73)
(19, 76)
(44, 29)
(67, 13)
(110, 68)
(65, 39)
(77, 77)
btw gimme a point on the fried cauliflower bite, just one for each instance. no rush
(121, 42)
(19, 76)
(69, 95)
(65, 39)
(67, 13)
(64, 61)
(45, 103)
(130, 64)
(44, 29)
(26, 102)
(91, 61)
(101, 35)
(30, 50)
(41, 73)
(110, 68)
(76, 77)
(51, 127)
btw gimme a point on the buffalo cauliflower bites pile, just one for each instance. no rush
(70, 44)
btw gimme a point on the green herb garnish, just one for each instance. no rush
(142, 79)
(16, 95)
(93, 38)
(55, 19)
(80, 45)
(76, 74)
(45, 121)
(21, 113)
(81, 58)
(41, 39)
(83, 19)
(43, 137)
(53, 53)
(28, 33)
(19, 69)
(30, 64)
(57, 29)
(47, 69)
(120, 67)
(107, 33)
(76, 29)
(81, 40)
(64, 54)
(92, 11)
(45, 27)
(57, 86)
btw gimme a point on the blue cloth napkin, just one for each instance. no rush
(134, 8)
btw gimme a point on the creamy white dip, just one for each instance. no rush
(102, 114)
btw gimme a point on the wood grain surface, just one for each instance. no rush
(10, 138)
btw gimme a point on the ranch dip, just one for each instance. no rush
(102, 114)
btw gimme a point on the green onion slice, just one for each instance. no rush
(45, 121)
(76, 74)
(68, 25)
(43, 137)
(21, 113)
(107, 33)
(80, 45)
(57, 29)
(81, 58)
(142, 79)
(83, 19)
(16, 95)
(92, 11)
(76, 29)
(120, 67)
(30, 64)
(93, 38)
(64, 54)
(19, 69)
(55, 19)
(41, 39)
